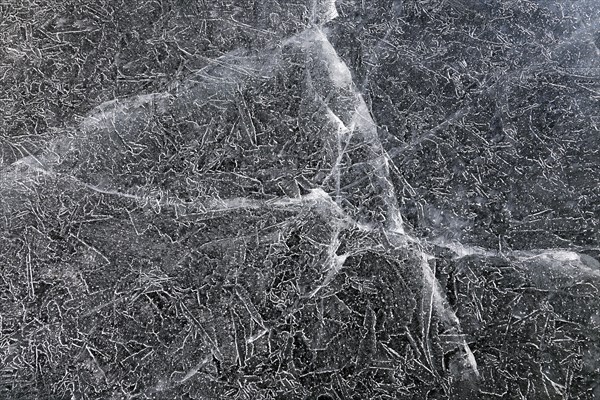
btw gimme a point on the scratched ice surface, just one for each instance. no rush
(323, 200)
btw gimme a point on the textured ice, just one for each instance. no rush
(316, 200)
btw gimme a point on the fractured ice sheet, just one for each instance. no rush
(240, 232)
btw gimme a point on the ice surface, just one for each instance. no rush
(306, 199)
